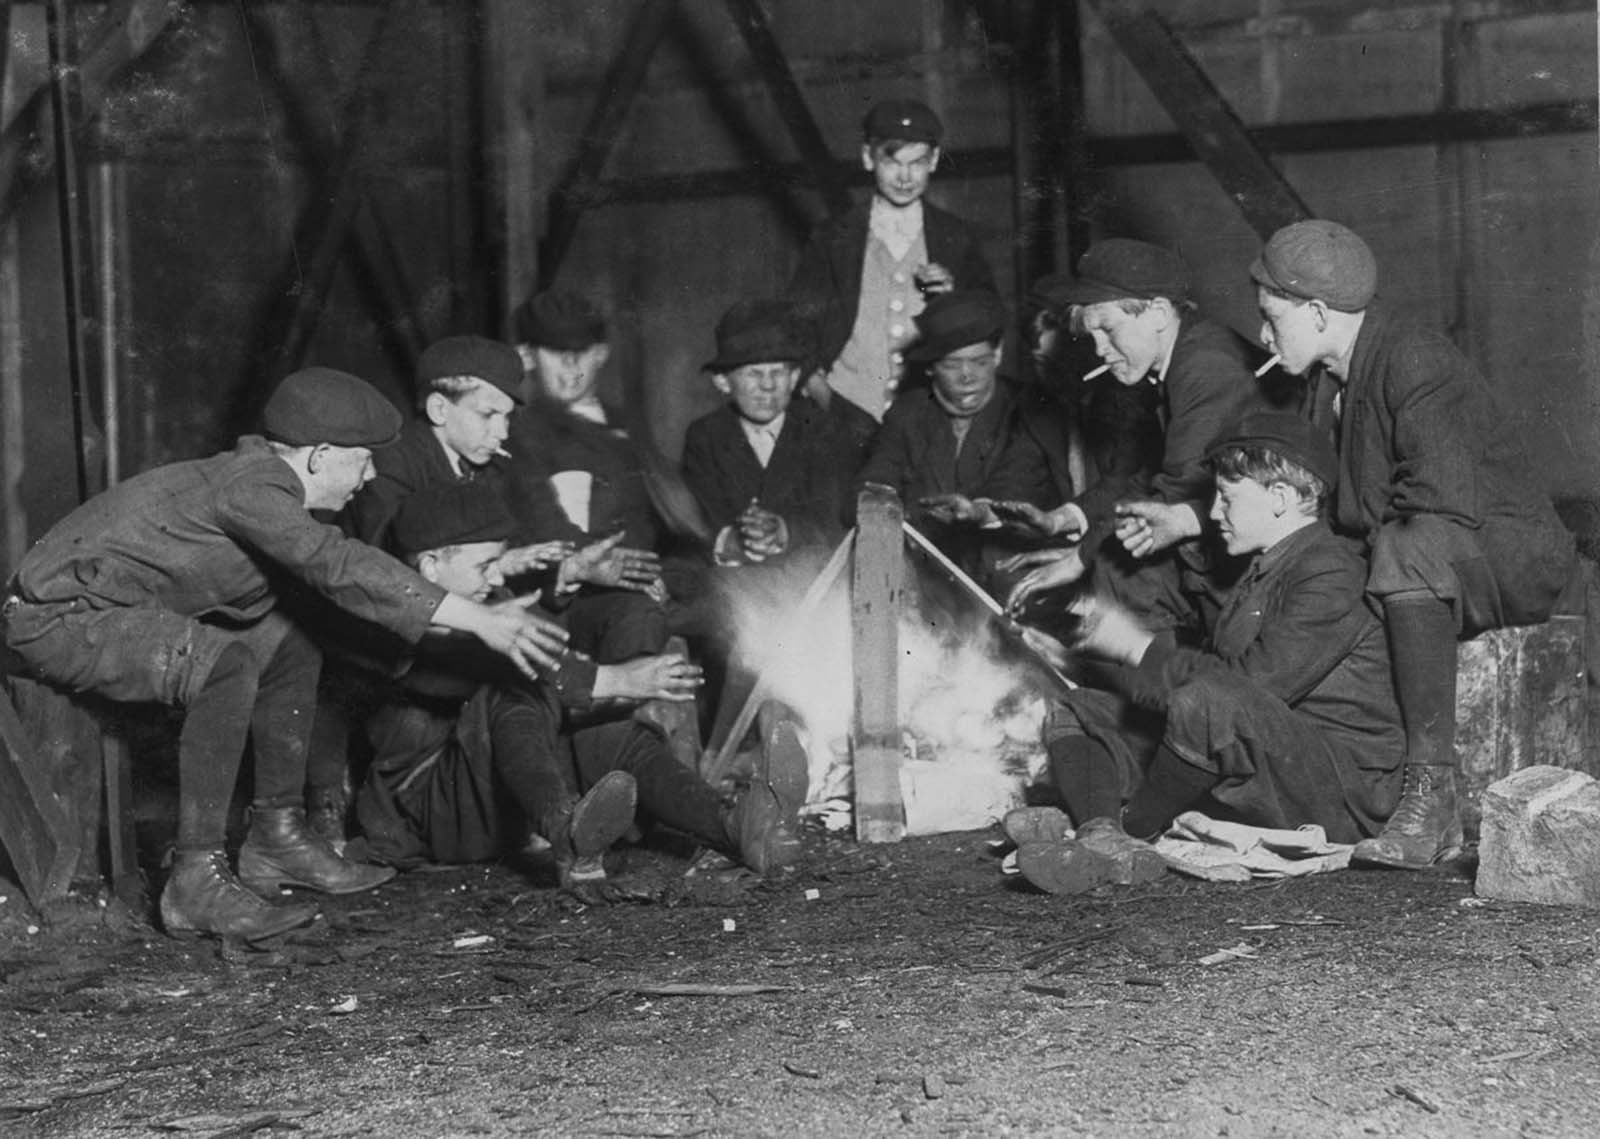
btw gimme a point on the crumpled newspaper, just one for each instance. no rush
(1218, 851)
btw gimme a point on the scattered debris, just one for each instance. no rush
(696, 989)
(1045, 990)
(1407, 1092)
(729, 925)
(241, 1123)
(1241, 952)
(813, 894)
(344, 1007)
(800, 1070)
(471, 941)
(933, 1086)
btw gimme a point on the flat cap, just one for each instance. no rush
(954, 320)
(760, 332)
(324, 405)
(491, 361)
(561, 321)
(1120, 268)
(451, 514)
(1320, 261)
(902, 120)
(1288, 435)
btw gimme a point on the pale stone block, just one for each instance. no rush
(1540, 838)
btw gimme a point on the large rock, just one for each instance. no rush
(1540, 838)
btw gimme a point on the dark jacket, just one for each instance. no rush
(827, 282)
(1420, 433)
(546, 439)
(213, 538)
(1298, 626)
(809, 479)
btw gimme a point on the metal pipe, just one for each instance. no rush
(108, 212)
(64, 102)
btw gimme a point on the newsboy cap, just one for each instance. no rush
(560, 321)
(902, 120)
(491, 361)
(1120, 268)
(323, 405)
(1288, 435)
(760, 332)
(1320, 261)
(451, 514)
(954, 320)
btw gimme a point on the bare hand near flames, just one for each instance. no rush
(1024, 518)
(525, 559)
(609, 563)
(958, 509)
(1047, 569)
(762, 533)
(665, 677)
(1146, 528)
(1110, 631)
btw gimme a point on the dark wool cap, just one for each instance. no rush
(1120, 268)
(322, 405)
(760, 332)
(954, 320)
(491, 361)
(560, 321)
(1320, 261)
(902, 120)
(1288, 435)
(451, 514)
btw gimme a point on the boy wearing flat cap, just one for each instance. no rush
(467, 754)
(1432, 478)
(1285, 717)
(771, 471)
(966, 438)
(1132, 298)
(866, 273)
(166, 589)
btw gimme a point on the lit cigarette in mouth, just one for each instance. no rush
(1100, 371)
(1268, 366)
(504, 454)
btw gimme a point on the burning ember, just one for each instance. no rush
(970, 711)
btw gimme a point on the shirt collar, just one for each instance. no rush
(889, 221)
(590, 408)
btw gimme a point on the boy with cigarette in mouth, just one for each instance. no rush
(1132, 297)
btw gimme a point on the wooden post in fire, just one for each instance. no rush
(877, 583)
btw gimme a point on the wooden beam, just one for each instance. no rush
(622, 83)
(774, 68)
(1220, 140)
(877, 587)
(124, 34)
(36, 828)
(516, 190)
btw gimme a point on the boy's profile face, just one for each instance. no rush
(760, 392)
(471, 570)
(568, 376)
(1292, 329)
(1129, 343)
(900, 170)
(1247, 512)
(474, 424)
(338, 472)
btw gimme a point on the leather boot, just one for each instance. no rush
(759, 826)
(326, 810)
(598, 819)
(203, 896)
(281, 851)
(1425, 828)
(1024, 825)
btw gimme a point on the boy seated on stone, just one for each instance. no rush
(1287, 716)
(466, 754)
(772, 472)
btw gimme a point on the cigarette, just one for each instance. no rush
(1268, 366)
(504, 454)
(1100, 371)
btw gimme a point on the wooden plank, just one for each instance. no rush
(513, 102)
(38, 831)
(121, 843)
(877, 587)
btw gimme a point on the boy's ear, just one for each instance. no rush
(434, 407)
(602, 353)
(428, 566)
(1284, 498)
(866, 157)
(933, 159)
(720, 382)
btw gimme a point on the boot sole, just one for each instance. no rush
(270, 887)
(1449, 854)
(1059, 869)
(604, 814)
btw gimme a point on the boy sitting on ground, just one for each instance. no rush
(1286, 717)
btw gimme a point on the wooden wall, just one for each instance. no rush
(1495, 241)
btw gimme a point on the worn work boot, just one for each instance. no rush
(598, 819)
(1132, 860)
(326, 810)
(1025, 825)
(1063, 867)
(785, 765)
(203, 896)
(281, 850)
(758, 824)
(1425, 828)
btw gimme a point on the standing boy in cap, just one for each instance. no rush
(1431, 476)
(1132, 297)
(965, 438)
(866, 273)
(772, 472)
(165, 588)
(466, 754)
(1286, 717)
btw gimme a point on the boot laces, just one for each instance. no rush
(1419, 786)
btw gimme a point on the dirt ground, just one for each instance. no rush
(899, 990)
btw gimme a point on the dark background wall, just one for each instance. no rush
(229, 152)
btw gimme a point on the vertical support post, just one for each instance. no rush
(516, 186)
(878, 580)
